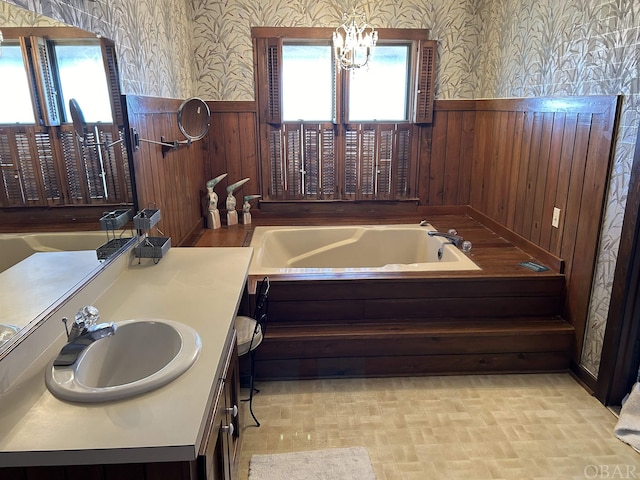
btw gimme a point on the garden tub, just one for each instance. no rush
(353, 249)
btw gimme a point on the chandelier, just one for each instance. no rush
(353, 41)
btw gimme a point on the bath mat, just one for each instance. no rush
(628, 427)
(331, 464)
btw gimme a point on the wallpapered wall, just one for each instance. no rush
(579, 47)
(152, 38)
(487, 49)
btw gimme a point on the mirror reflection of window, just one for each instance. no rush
(15, 99)
(81, 73)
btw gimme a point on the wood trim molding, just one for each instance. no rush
(327, 32)
(619, 358)
(554, 263)
(233, 107)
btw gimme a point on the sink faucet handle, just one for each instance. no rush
(87, 316)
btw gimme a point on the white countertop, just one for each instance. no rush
(200, 287)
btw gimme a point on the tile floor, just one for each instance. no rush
(477, 427)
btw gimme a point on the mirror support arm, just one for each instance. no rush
(135, 140)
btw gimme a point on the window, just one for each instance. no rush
(379, 92)
(330, 134)
(81, 73)
(307, 82)
(16, 106)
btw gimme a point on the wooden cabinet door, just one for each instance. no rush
(219, 455)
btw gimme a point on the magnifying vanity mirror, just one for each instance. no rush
(102, 148)
(194, 119)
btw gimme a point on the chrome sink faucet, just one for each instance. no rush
(84, 331)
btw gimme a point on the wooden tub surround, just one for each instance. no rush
(503, 318)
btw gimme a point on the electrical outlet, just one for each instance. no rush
(555, 221)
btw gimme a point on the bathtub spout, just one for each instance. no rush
(456, 240)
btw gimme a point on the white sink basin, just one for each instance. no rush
(142, 355)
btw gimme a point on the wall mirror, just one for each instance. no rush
(94, 183)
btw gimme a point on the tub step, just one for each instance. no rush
(409, 348)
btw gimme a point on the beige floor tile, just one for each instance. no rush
(539, 427)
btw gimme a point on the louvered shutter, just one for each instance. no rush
(385, 167)
(312, 145)
(276, 162)
(111, 172)
(113, 79)
(269, 79)
(92, 169)
(11, 193)
(350, 166)
(293, 149)
(45, 86)
(27, 165)
(402, 176)
(367, 161)
(328, 162)
(426, 72)
(74, 182)
(47, 167)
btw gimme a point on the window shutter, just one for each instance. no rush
(385, 166)
(31, 192)
(328, 162)
(111, 172)
(350, 172)
(426, 72)
(368, 162)
(75, 182)
(92, 169)
(402, 160)
(311, 160)
(11, 194)
(276, 161)
(46, 162)
(294, 161)
(40, 68)
(339, 87)
(269, 79)
(113, 79)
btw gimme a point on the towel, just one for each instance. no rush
(628, 427)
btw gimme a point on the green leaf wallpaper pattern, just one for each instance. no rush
(486, 49)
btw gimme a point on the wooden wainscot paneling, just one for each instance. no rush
(446, 153)
(174, 183)
(531, 155)
(233, 146)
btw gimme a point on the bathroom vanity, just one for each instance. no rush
(187, 429)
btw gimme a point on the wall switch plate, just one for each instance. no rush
(555, 221)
